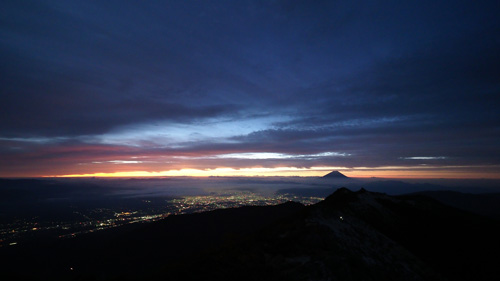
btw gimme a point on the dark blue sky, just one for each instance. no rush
(111, 86)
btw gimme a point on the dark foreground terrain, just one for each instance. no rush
(348, 236)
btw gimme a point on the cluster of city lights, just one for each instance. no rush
(12, 232)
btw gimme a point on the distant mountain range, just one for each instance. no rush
(487, 204)
(348, 236)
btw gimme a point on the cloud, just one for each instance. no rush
(86, 82)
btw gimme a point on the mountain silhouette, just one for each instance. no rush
(348, 236)
(335, 175)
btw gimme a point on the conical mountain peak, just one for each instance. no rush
(335, 174)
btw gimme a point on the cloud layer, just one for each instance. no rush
(181, 84)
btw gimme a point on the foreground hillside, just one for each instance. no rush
(348, 236)
(360, 236)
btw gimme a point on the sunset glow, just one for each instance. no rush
(189, 89)
(359, 172)
(269, 140)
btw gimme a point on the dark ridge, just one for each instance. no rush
(349, 236)
(486, 204)
(335, 175)
(359, 236)
(133, 251)
(341, 197)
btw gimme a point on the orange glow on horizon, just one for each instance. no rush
(222, 172)
(357, 172)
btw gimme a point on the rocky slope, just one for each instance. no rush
(348, 236)
(358, 236)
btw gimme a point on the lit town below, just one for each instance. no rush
(96, 219)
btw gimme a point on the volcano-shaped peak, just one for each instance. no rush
(335, 175)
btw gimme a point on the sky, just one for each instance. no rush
(247, 88)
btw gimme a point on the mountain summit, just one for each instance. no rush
(349, 236)
(335, 175)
